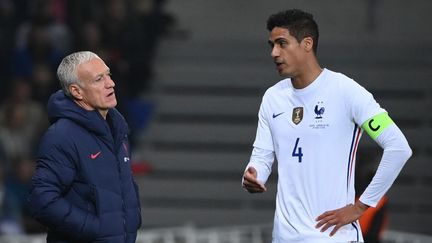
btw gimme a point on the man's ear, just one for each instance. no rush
(75, 91)
(307, 44)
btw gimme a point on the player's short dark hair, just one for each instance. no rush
(300, 25)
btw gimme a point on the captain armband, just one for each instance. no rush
(377, 124)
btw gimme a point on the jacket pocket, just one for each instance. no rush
(95, 200)
(81, 195)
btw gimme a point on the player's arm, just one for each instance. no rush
(258, 170)
(364, 110)
(384, 131)
(259, 167)
(396, 152)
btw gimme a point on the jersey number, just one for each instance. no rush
(298, 154)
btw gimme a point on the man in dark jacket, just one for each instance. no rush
(82, 189)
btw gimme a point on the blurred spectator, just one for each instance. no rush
(3, 162)
(15, 218)
(34, 48)
(41, 39)
(48, 14)
(113, 28)
(89, 37)
(7, 28)
(43, 82)
(82, 11)
(21, 122)
(125, 34)
(149, 23)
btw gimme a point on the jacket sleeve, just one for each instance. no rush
(54, 175)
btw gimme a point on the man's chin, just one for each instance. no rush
(285, 75)
(112, 105)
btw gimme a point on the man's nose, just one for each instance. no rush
(275, 52)
(109, 82)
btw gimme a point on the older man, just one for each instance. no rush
(83, 189)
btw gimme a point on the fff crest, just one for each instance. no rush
(297, 115)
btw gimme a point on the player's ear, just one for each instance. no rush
(307, 44)
(75, 91)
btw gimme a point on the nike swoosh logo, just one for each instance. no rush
(276, 115)
(94, 156)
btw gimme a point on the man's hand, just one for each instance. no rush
(250, 182)
(340, 217)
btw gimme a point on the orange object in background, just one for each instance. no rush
(374, 221)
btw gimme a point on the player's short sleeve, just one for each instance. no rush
(263, 137)
(361, 103)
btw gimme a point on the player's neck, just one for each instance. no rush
(307, 76)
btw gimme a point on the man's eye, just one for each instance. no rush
(282, 44)
(271, 44)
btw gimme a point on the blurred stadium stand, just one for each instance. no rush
(208, 89)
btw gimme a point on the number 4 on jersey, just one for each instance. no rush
(298, 154)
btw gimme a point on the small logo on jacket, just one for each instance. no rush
(126, 159)
(276, 115)
(94, 156)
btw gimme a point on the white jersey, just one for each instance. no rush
(314, 133)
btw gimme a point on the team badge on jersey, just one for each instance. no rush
(297, 115)
(319, 111)
(319, 122)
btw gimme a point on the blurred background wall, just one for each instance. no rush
(189, 78)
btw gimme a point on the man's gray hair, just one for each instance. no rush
(67, 70)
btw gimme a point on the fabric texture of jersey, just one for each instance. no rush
(83, 189)
(314, 134)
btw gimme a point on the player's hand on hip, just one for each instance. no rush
(250, 182)
(340, 217)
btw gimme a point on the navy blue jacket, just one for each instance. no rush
(83, 189)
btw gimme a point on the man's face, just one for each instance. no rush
(287, 52)
(97, 87)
